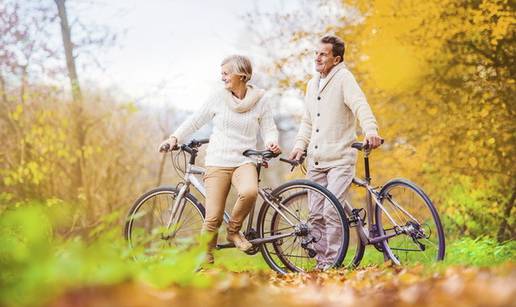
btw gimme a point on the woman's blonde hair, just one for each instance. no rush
(240, 65)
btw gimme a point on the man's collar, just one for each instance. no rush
(330, 75)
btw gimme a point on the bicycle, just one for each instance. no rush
(285, 233)
(402, 236)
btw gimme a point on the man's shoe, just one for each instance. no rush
(321, 266)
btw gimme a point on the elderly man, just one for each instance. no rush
(333, 102)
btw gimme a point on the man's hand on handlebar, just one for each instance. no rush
(296, 154)
(372, 141)
(168, 144)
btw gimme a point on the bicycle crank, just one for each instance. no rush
(251, 235)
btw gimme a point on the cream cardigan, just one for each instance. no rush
(236, 124)
(328, 126)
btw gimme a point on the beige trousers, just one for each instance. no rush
(217, 181)
(337, 180)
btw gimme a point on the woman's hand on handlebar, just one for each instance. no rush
(168, 144)
(274, 148)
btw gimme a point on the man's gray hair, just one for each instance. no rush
(240, 65)
(338, 46)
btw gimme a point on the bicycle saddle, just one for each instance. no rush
(266, 154)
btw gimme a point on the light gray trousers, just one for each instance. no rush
(327, 229)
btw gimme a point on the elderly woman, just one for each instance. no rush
(238, 112)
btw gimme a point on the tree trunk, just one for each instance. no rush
(68, 48)
(23, 83)
(76, 110)
(506, 216)
(3, 90)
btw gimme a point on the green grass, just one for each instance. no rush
(479, 252)
(237, 261)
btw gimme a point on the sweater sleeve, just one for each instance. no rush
(305, 128)
(268, 130)
(357, 102)
(195, 121)
(305, 131)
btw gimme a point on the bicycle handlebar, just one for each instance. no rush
(362, 146)
(294, 163)
(266, 154)
(186, 147)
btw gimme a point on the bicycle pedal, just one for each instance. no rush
(225, 245)
(352, 221)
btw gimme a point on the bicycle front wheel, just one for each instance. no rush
(312, 226)
(408, 212)
(147, 226)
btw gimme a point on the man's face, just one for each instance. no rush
(324, 59)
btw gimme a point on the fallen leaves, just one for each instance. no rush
(365, 287)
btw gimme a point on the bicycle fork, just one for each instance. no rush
(177, 207)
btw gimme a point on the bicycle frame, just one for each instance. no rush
(190, 179)
(370, 234)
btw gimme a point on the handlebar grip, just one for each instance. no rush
(187, 148)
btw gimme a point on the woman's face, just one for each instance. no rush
(231, 80)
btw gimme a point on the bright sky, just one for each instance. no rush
(172, 49)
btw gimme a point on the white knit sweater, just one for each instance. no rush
(328, 127)
(236, 124)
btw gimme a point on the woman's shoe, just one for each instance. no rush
(209, 258)
(240, 241)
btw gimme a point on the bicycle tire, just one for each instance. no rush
(395, 247)
(134, 213)
(270, 251)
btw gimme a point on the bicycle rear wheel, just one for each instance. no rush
(416, 221)
(146, 224)
(318, 238)
(356, 248)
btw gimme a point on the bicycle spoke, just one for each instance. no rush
(290, 251)
(418, 241)
(149, 229)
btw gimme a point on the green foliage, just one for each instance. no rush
(36, 263)
(470, 209)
